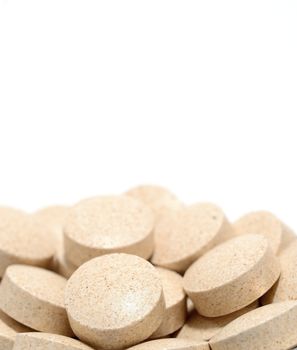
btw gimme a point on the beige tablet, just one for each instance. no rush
(175, 302)
(23, 240)
(288, 237)
(103, 225)
(263, 223)
(158, 198)
(54, 216)
(184, 236)
(202, 328)
(47, 341)
(61, 264)
(35, 297)
(270, 327)
(8, 331)
(171, 344)
(232, 275)
(286, 287)
(115, 301)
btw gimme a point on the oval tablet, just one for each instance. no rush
(171, 344)
(158, 198)
(270, 327)
(47, 341)
(8, 331)
(23, 240)
(115, 301)
(35, 297)
(231, 275)
(286, 287)
(175, 302)
(202, 328)
(262, 223)
(105, 225)
(184, 236)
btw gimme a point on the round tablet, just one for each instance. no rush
(61, 265)
(158, 198)
(47, 341)
(35, 297)
(286, 287)
(175, 303)
(8, 331)
(232, 275)
(105, 225)
(270, 327)
(262, 223)
(23, 240)
(171, 344)
(115, 301)
(64, 267)
(54, 216)
(184, 236)
(202, 328)
(288, 237)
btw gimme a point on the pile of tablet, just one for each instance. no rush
(144, 271)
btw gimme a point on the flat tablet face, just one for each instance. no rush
(181, 237)
(158, 198)
(226, 262)
(115, 301)
(109, 222)
(41, 284)
(232, 275)
(262, 223)
(113, 291)
(23, 239)
(35, 297)
(104, 225)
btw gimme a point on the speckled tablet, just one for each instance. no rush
(232, 275)
(23, 240)
(286, 287)
(47, 341)
(115, 301)
(171, 344)
(35, 297)
(263, 223)
(158, 198)
(8, 331)
(288, 237)
(175, 302)
(184, 236)
(103, 225)
(202, 328)
(54, 216)
(61, 265)
(270, 327)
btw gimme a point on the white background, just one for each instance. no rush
(199, 96)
